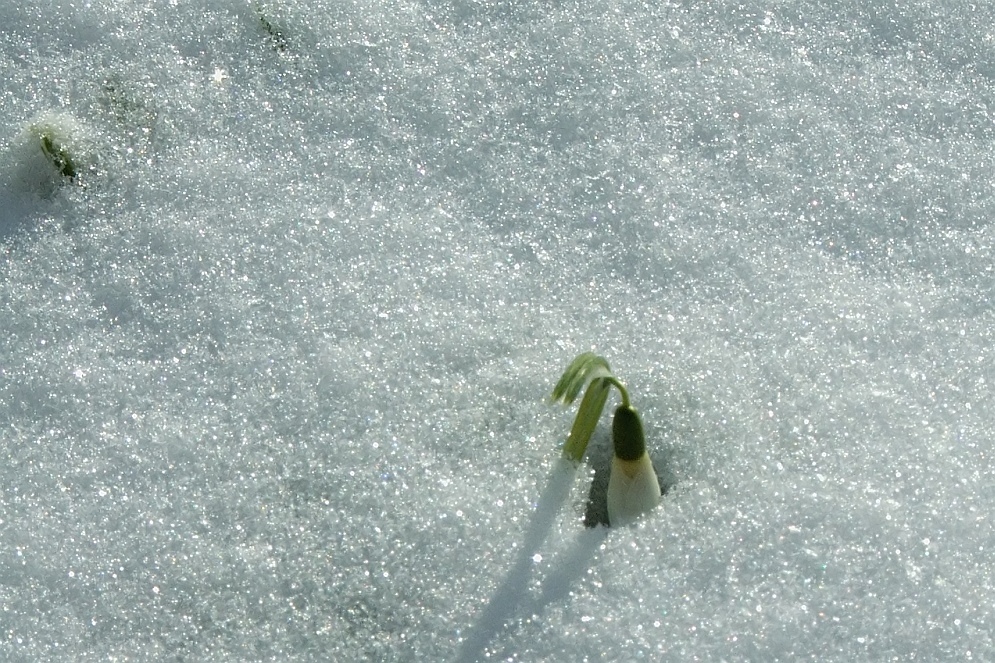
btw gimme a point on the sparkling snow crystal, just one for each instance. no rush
(286, 285)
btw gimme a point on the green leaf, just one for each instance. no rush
(587, 366)
(57, 154)
(591, 370)
(587, 419)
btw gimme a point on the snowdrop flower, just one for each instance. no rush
(633, 488)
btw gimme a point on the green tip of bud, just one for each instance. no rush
(627, 434)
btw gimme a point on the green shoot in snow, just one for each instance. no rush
(594, 371)
(633, 487)
(56, 153)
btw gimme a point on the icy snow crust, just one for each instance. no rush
(273, 370)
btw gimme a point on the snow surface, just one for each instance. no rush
(274, 366)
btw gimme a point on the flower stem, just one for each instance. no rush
(621, 390)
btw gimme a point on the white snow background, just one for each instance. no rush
(275, 366)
